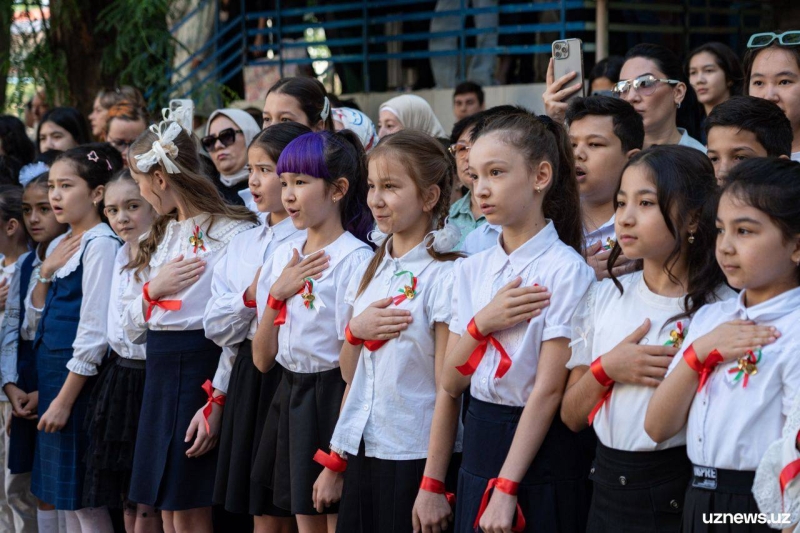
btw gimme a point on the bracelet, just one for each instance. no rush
(705, 368)
(37, 275)
(250, 304)
(599, 373)
(508, 487)
(332, 461)
(352, 339)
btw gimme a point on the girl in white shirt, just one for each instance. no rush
(396, 339)
(69, 307)
(626, 331)
(230, 321)
(506, 347)
(323, 178)
(175, 457)
(737, 375)
(116, 400)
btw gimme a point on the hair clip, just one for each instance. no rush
(446, 239)
(92, 156)
(29, 172)
(108, 164)
(326, 109)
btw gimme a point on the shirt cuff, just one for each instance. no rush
(246, 314)
(221, 379)
(13, 378)
(554, 332)
(82, 368)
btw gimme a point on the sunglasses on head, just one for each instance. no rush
(787, 38)
(227, 137)
(646, 85)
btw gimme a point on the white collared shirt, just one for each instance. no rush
(691, 142)
(601, 234)
(603, 319)
(731, 426)
(543, 260)
(123, 288)
(227, 321)
(98, 254)
(481, 238)
(311, 339)
(393, 392)
(178, 240)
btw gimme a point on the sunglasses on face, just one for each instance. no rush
(227, 137)
(645, 85)
(787, 38)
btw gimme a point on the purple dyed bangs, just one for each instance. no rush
(305, 155)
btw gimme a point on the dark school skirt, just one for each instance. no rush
(553, 495)
(250, 394)
(178, 363)
(112, 423)
(58, 468)
(638, 492)
(713, 493)
(22, 441)
(300, 421)
(379, 494)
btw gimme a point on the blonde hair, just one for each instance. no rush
(193, 188)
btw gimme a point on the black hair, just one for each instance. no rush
(9, 170)
(14, 141)
(609, 67)
(689, 113)
(71, 120)
(761, 117)
(467, 122)
(542, 139)
(727, 60)
(750, 58)
(467, 87)
(310, 94)
(11, 203)
(686, 190)
(95, 163)
(275, 138)
(628, 124)
(771, 185)
(48, 158)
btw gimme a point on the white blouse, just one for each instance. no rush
(311, 339)
(603, 319)
(98, 254)
(731, 426)
(123, 288)
(481, 238)
(543, 260)
(393, 393)
(227, 321)
(189, 238)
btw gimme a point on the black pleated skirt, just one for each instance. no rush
(249, 396)
(178, 363)
(553, 495)
(112, 423)
(22, 442)
(379, 494)
(300, 421)
(729, 493)
(638, 492)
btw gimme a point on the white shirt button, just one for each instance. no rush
(366, 407)
(483, 380)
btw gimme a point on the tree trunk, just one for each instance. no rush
(6, 15)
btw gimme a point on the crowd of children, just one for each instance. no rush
(599, 335)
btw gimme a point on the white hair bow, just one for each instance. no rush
(445, 240)
(162, 148)
(181, 115)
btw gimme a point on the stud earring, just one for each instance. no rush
(691, 238)
(94, 203)
(679, 105)
(538, 189)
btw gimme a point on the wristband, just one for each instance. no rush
(219, 400)
(250, 304)
(705, 368)
(166, 305)
(352, 339)
(437, 487)
(508, 487)
(280, 306)
(600, 374)
(477, 354)
(332, 461)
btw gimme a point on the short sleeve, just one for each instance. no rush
(569, 287)
(583, 330)
(345, 277)
(439, 301)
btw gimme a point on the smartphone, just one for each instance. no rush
(568, 57)
(186, 115)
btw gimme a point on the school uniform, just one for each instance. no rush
(385, 423)
(179, 359)
(637, 482)
(553, 494)
(231, 324)
(305, 407)
(116, 400)
(605, 234)
(730, 425)
(71, 337)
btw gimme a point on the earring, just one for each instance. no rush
(538, 189)
(679, 105)
(334, 199)
(691, 238)
(94, 203)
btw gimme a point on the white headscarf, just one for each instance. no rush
(415, 114)
(358, 123)
(249, 128)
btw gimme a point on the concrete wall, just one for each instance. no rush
(529, 96)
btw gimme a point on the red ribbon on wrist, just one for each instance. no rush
(280, 306)
(705, 368)
(332, 461)
(251, 304)
(166, 305)
(509, 487)
(219, 400)
(469, 368)
(437, 487)
(355, 341)
(600, 375)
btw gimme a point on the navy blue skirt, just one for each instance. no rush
(553, 495)
(58, 467)
(178, 363)
(22, 441)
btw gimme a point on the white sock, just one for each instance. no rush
(47, 521)
(71, 521)
(95, 520)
